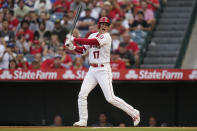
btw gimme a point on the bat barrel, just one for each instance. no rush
(76, 18)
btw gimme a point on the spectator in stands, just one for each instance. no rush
(122, 125)
(65, 58)
(21, 10)
(1, 3)
(102, 121)
(35, 65)
(94, 10)
(103, 13)
(60, 31)
(57, 63)
(30, 3)
(21, 63)
(148, 14)
(5, 9)
(152, 122)
(13, 21)
(2, 50)
(124, 22)
(42, 34)
(78, 64)
(61, 6)
(74, 5)
(29, 36)
(132, 47)
(86, 21)
(44, 16)
(12, 65)
(164, 124)
(126, 56)
(36, 47)
(31, 18)
(34, 21)
(7, 34)
(57, 121)
(153, 4)
(1, 20)
(127, 9)
(6, 54)
(42, 5)
(140, 23)
(115, 39)
(38, 57)
(113, 9)
(51, 47)
(91, 29)
(116, 62)
(117, 25)
(71, 16)
(65, 22)
(10, 4)
(47, 63)
(22, 44)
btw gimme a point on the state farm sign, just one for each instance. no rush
(154, 75)
(164, 74)
(126, 74)
(28, 75)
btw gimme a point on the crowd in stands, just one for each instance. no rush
(104, 122)
(32, 32)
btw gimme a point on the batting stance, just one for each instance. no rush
(98, 44)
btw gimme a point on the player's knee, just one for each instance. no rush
(110, 100)
(82, 96)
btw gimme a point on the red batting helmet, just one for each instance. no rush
(103, 20)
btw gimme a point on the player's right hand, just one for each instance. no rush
(69, 45)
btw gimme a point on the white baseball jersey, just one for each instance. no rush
(100, 54)
(100, 75)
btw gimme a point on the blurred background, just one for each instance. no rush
(147, 34)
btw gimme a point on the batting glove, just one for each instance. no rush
(70, 45)
(70, 37)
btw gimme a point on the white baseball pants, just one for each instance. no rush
(103, 76)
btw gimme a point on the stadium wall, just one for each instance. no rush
(29, 103)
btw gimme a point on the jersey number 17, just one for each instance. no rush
(96, 54)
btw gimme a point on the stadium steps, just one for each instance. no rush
(175, 15)
(163, 50)
(170, 33)
(161, 60)
(170, 28)
(164, 47)
(158, 66)
(162, 54)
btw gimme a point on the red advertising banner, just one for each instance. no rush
(128, 74)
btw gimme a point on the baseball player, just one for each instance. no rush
(98, 45)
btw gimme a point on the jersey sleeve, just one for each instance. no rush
(104, 39)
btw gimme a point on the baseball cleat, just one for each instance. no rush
(136, 119)
(80, 124)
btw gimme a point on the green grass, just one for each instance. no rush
(93, 129)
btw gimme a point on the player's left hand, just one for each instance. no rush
(70, 38)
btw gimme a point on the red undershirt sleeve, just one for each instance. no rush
(79, 49)
(85, 41)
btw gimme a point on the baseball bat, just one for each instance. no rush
(76, 19)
